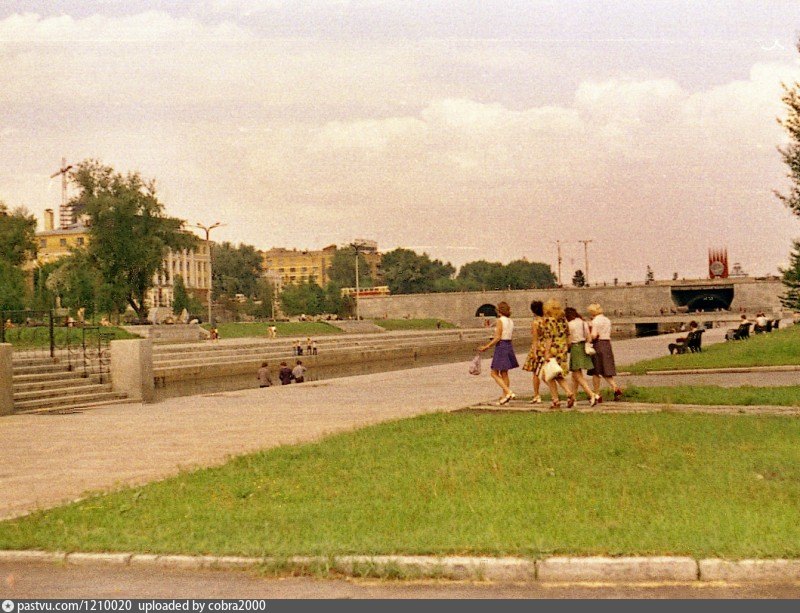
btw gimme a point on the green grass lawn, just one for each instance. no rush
(23, 337)
(469, 483)
(286, 329)
(714, 395)
(778, 348)
(412, 324)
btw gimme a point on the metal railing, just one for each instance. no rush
(46, 334)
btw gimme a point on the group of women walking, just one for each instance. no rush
(562, 342)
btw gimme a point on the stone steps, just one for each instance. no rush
(64, 391)
(65, 402)
(36, 383)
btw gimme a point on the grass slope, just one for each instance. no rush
(778, 348)
(412, 324)
(714, 395)
(24, 338)
(293, 330)
(499, 484)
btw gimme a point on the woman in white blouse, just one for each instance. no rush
(603, 358)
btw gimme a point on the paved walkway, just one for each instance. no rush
(49, 459)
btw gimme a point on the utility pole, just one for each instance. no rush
(558, 245)
(207, 230)
(586, 259)
(64, 216)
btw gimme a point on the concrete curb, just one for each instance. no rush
(508, 569)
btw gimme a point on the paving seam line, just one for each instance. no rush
(551, 569)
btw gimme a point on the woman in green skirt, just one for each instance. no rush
(578, 358)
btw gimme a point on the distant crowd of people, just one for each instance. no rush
(562, 343)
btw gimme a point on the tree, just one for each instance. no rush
(342, 270)
(791, 157)
(303, 298)
(522, 274)
(791, 279)
(519, 274)
(17, 235)
(264, 297)
(482, 275)
(13, 288)
(406, 272)
(578, 280)
(180, 298)
(237, 270)
(130, 233)
(76, 282)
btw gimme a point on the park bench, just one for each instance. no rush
(692, 342)
(738, 334)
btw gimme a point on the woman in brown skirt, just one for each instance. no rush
(603, 359)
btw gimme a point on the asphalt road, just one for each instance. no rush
(52, 581)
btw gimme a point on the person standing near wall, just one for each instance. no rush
(579, 360)
(603, 359)
(299, 372)
(264, 380)
(285, 374)
(535, 356)
(504, 358)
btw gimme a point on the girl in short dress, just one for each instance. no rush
(536, 356)
(504, 358)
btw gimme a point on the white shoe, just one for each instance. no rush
(536, 400)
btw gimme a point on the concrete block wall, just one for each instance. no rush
(6, 389)
(132, 369)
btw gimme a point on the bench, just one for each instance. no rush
(692, 343)
(738, 334)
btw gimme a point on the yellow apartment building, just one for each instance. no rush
(299, 266)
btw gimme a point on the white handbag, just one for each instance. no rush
(551, 370)
(588, 347)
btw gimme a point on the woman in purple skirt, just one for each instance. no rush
(504, 358)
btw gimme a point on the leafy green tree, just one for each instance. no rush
(342, 270)
(578, 279)
(522, 274)
(13, 289)
(180, 298)
(76, 282)
(130, 233)
(791, 279)
(303, 298)
(43, 298)
(17, 235)
(236, 270)
(482, 275)
(791, 157)
(264, 297)
(407, 272)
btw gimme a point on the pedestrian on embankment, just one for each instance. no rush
(555, 341)
(579, 360)
(285, 374)
(504, 358)
(603, 360)
(299, 372)
(535, 359)
(264, 380)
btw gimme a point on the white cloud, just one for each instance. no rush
(308, 142)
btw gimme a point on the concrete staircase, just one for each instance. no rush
(239, 356)
(43, 384)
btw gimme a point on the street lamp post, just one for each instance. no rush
(207, 230)
(586, 259)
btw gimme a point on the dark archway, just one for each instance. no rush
(704, 299)
(487, 310)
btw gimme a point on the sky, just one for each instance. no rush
(465, 129)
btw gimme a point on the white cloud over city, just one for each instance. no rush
(472, 147)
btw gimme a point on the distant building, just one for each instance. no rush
(367, 292)
(294, 266)
(193, 265)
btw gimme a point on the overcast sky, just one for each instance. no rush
(466, 129)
